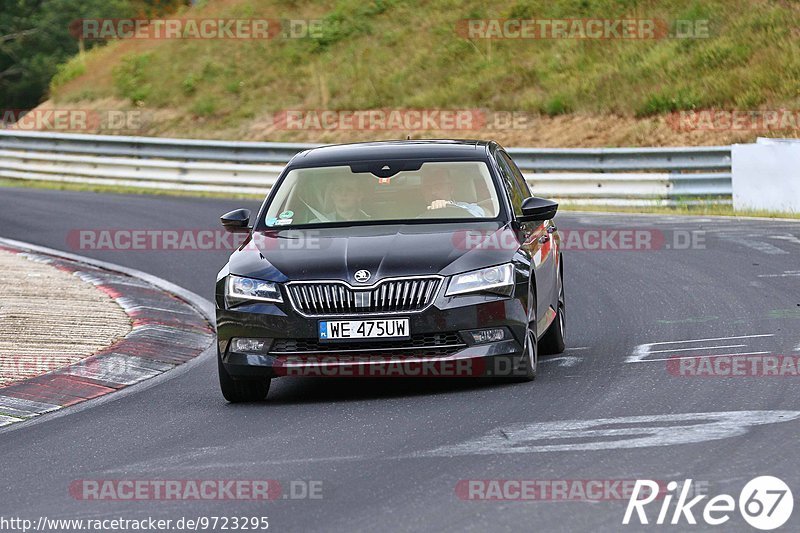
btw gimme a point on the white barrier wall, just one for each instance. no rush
(766, 176)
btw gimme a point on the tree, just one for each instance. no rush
(35, 38)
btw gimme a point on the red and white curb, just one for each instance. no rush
(168, 330)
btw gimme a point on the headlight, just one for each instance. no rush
(242, 289)
(497, 279)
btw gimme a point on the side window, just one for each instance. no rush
(510, 183)
(518, 177)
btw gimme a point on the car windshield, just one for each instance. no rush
(432, 190)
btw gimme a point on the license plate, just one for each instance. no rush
(389, 328)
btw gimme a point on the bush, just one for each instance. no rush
(205, 106)
(130, 78)
(68, 71)
(666, 103)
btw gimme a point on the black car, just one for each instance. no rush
(396, 258)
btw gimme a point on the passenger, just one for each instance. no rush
(346, 194)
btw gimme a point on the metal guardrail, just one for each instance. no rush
(583, 175)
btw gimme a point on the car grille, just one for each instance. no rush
(324, 298)
(420, 345)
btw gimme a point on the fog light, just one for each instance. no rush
(246, 345)
(483, 336)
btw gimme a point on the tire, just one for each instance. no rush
(241, 390)
(552, 342)
(526, 371)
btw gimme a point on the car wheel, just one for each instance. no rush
(526, 371)
(241, 390)
(553, 340)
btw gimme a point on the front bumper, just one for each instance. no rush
(448, 319)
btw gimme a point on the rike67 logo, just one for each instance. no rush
(765, 502)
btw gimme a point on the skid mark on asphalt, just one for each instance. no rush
(539, 437)
(750, 242)
(678, 358)
(566, 361)
(785, 274)
(701, 348)
(613, 433)
(642, 352)
(788, 237)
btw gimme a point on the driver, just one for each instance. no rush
(438, 189)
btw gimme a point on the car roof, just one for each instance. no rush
(432, 149)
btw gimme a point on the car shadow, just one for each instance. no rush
(338, 389)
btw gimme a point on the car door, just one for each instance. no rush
(538, 241)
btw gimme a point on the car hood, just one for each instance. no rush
(385, 251)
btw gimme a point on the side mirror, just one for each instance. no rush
(536, 209)
(237, 221)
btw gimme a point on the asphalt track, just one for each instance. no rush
(390, 454)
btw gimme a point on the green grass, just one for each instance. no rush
(130, 78)
(687, 210)
(68, 71)
(388, 53)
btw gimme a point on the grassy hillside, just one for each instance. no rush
(407, 54)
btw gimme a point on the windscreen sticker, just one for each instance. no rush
(283, 222)
(271, 221)
(287, 214)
